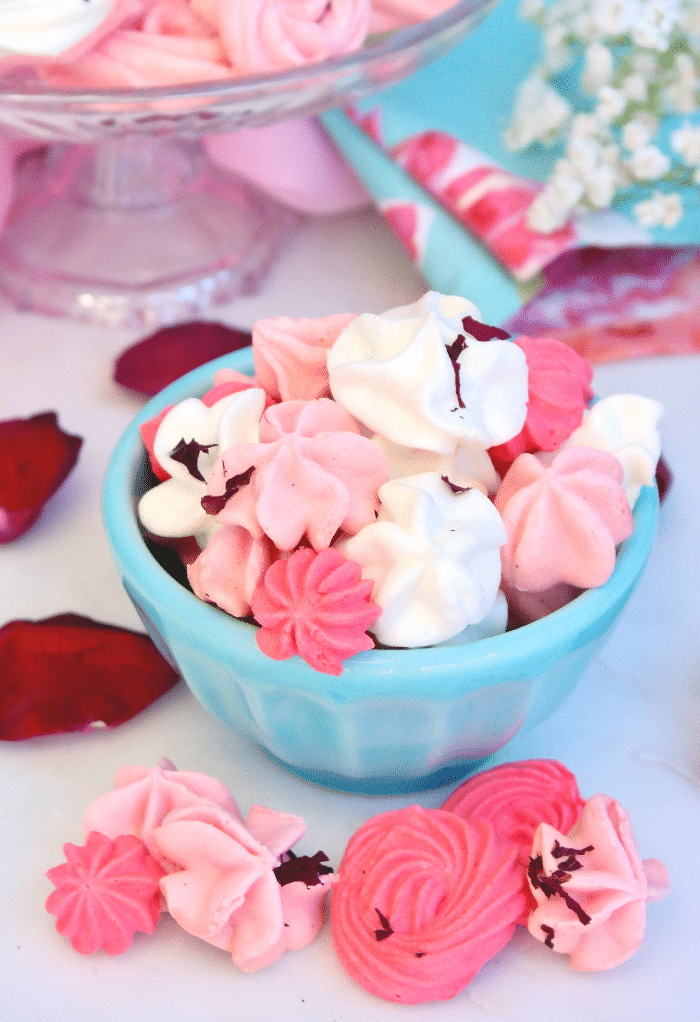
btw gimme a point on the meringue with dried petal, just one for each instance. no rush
(312, 474)
(516, 798)
(422, 900)
(188, 441)
(419, 376)
(591, 887)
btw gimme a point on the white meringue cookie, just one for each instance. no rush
(434, 557)
(48, 27)
(469, 466)
(495, 623)
(173, 509)
(393, 372)
(624, 425)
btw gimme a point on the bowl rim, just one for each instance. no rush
(460, 667)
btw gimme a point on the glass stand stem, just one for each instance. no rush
(135, 231)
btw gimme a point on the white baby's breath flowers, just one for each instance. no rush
(686, 142)
(639, 63)
(659, 210)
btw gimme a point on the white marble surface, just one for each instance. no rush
(631, 728)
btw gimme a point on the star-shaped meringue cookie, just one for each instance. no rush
(434, 557)
(174, 507)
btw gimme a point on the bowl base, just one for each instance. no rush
(135, 232)
(393, 784)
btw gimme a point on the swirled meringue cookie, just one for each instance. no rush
(420, 376)
(48, 28)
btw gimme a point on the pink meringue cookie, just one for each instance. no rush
(316, 605)
(564, 518)
(142, 798)
(559, 391)
(516, 798)
(591, 887)
(422, 900)
(312, 475)
(105, 892)
(261, 36)
(229, 569)
(290, 355)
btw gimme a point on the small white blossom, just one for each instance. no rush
(659, 211)
(539, 110)
(601, 186)
(555, 203)
(615, 17)
(598, 67)
(686, 142)
(587, 126)
(635, 135)
(635, 88)
(648, 163)
(529, 9)
(654, 24)
(611, 103)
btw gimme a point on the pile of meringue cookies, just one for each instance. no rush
(401, 479)
(422, 899)
(140, 43)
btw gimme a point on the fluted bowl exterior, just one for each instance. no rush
(395, 720)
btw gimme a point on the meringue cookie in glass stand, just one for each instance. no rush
(48, 28)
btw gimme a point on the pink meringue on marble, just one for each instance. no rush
(564, 517)
(142, 798)
(591, 887)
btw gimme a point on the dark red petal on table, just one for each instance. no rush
(164, 356)
(67, 672)
(664, 477)
(35, 458)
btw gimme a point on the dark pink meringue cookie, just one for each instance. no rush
(423, 899)
(516, 798)
(35, 458)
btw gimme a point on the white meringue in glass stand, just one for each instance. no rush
(48, 28)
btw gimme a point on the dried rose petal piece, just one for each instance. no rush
(66, 673)
(105, 891)
(35, 458)
(164, 356)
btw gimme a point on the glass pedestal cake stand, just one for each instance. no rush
(119, 216)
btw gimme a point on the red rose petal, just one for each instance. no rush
(35, 458)
(164, 356)
(67, 672)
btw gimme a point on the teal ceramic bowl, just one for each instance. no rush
(395, 720)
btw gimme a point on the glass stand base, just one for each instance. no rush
(135, 231)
